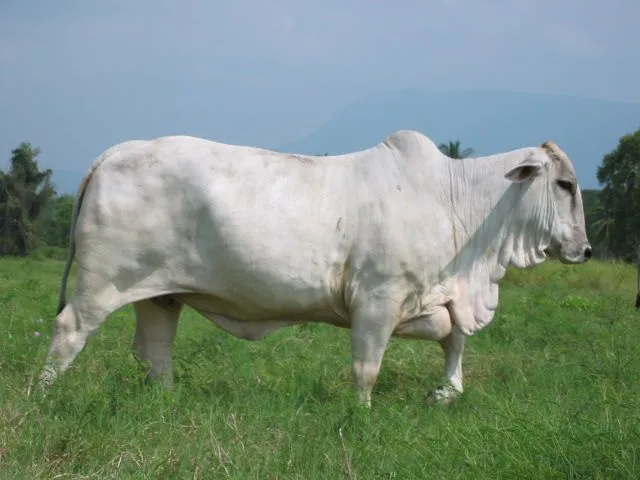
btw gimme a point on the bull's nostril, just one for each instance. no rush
(587, 252)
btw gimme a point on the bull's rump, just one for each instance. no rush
(261, 232)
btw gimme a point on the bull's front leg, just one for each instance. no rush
(453, 347)
(371, 329)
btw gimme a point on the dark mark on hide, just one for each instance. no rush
(305, 160)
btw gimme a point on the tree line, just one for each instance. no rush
(33, 214)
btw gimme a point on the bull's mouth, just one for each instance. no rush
(575, 259)
(566, 259)
(572, 260)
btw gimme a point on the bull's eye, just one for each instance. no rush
(566, 185)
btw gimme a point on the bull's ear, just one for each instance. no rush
(525, 170)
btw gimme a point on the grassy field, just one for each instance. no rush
(552, 391)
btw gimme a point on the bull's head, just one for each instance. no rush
(553, 182)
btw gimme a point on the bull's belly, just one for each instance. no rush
(244, 322)
(247, 322)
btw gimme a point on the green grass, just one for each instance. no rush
(552, 391)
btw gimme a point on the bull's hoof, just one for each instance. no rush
(46, 378)
(443, 395)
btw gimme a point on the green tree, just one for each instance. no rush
(619, 218)
(56, 221)
(24, 193)
(454, 150)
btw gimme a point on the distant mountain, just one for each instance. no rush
(489, 122)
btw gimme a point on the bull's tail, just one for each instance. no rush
(638, 283)
(62, 297)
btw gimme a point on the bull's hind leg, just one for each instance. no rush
(72, 327)
(156, 324)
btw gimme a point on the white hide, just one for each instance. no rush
(397, 239)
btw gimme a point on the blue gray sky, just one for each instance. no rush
(77, 76)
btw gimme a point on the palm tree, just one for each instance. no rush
(602, 226)
(453, 150)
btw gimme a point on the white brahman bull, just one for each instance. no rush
(397, 239)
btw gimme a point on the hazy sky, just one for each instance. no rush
(77, 76)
